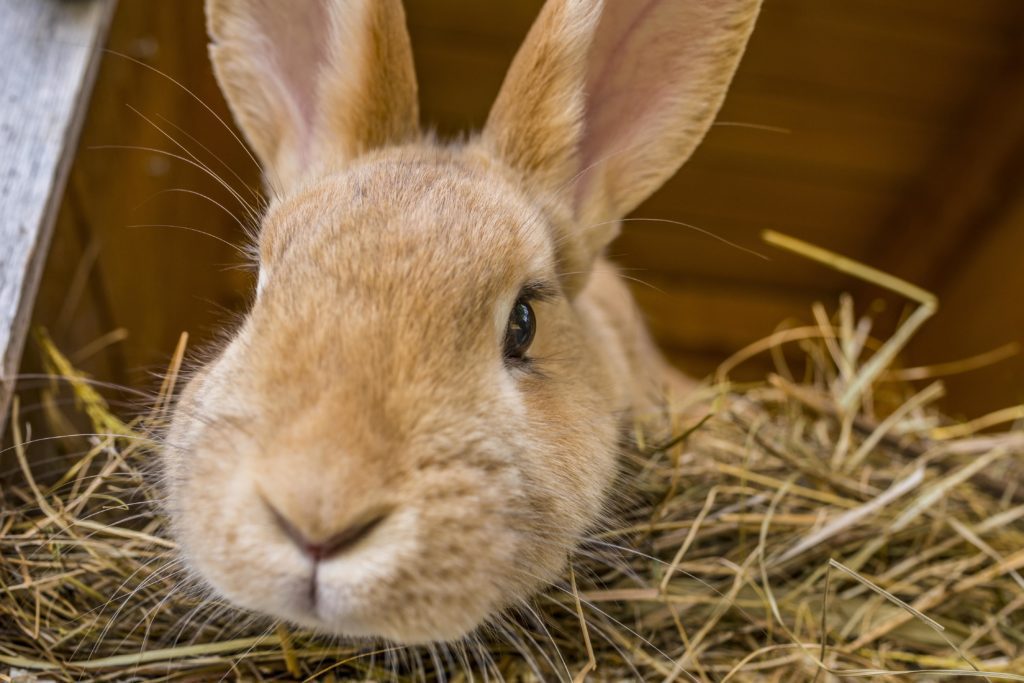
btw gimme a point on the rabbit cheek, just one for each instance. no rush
(225, 541)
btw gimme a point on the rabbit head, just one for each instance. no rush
(420, 415)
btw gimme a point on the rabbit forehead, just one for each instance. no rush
(414, 208)
(401, 241)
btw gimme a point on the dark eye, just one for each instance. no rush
(521, 327)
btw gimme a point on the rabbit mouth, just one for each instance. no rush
(323, 603)
(382, 578)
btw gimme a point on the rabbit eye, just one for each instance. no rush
(521, 327)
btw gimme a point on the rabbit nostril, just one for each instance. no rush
(336, 543)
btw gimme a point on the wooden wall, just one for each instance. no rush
(892, 132)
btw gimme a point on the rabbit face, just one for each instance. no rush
(370, 459)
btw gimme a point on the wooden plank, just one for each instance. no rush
(715, 317)
(980, 309)
(49, 51)
(967, 188)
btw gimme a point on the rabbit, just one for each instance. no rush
(422, 412)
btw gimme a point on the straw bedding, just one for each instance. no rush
(825, 524)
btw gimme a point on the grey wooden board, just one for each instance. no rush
(49, 52)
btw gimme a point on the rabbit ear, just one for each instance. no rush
(606, 100)
(314, 81)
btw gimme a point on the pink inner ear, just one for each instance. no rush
(614, 67)
(296, 33)
(647, 74)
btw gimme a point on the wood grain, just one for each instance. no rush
(48, 53)
(971, 182)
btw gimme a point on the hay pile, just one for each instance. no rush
(826, 524)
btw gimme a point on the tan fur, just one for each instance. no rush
(368, 379)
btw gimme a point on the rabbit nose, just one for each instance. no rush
(351, 534)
